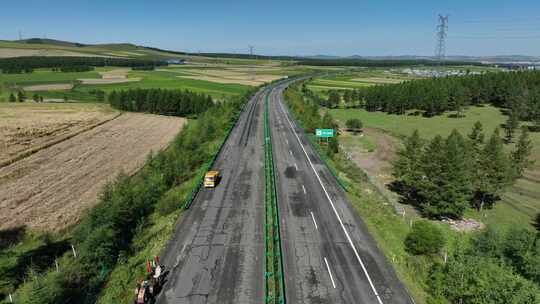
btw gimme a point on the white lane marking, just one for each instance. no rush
(314, 222)
(335, 210)
(304, 188)
(287, 141)
(290, 152)
(329, 272)
(296, 166)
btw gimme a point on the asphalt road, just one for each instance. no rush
(329, 256)
(217, 252)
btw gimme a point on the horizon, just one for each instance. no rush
(480, 29)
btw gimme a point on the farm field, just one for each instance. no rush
(25, 127)
(52, 188)
(356, 79)
(520, 203)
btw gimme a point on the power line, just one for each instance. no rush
(442, 33)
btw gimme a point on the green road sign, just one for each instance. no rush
(324, 132)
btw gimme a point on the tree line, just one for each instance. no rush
(28, 64)
(106, 232)
(161, 101)
(380, 62)
(446, 175)
(304, 104)
(517, 91)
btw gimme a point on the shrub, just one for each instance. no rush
(424, 238)
(354, 123)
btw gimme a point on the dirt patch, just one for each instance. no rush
(464, 225)
(377, 163)
(25, 127)
(49, 87)
(243, 79)
(51, 189)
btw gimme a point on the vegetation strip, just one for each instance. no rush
(274, 281)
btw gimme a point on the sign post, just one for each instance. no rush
(324, 133)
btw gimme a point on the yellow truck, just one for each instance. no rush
(211, 179)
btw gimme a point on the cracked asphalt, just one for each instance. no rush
(217, 252)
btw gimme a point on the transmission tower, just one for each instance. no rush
(252, 69)
(442, 33)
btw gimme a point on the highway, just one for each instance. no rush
(217, 252)
(329, 255)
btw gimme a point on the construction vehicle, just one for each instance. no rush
(149, 286)
(211, 179)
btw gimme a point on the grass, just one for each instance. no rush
(519, 204)
(83, 92)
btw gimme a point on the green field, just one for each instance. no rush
(521, 202)
(82, 92)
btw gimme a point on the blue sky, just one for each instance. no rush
(293, 27)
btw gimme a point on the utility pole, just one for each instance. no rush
(442, 33)
(252, 69)
(20, 35)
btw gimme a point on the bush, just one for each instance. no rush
(424, 238)
(354, 123)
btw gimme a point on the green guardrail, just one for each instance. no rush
(274, 280)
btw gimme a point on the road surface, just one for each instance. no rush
(217, 252)
(329, 257)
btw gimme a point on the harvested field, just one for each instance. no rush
(49, 87)
(51, 189)
(378, 80)
(28, 126)
(111, 77)
(14, 52)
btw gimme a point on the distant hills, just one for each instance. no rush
(53, 47)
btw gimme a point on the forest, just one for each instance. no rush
(517, 91)
(28, 64)
(160, 101)
(445, 176)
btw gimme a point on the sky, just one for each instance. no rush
(284, 27)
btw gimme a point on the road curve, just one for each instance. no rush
(329, 255)
(217, 252)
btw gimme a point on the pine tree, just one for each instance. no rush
(495, 171)
(511, 125)
(408, 166)
(520, 155)
(446, 187)
(20, 96)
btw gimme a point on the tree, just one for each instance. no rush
(520, 155)
(333, 99)
(495, 171)
(511, 125)
(354, 124)
(424, 238)
(12, 98)
(446, 188)
(408, 166)
(35, 98)
(20, 96)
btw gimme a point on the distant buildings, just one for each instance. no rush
(175, 61)
(435, 73)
